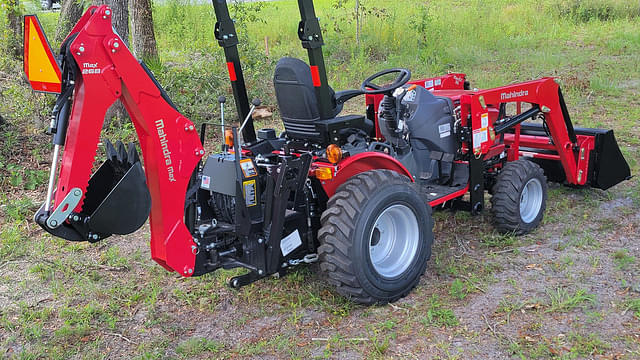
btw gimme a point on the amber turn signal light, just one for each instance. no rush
(334, 153)
(324, 173)
(228, 138)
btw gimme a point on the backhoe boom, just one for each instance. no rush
(106, 72)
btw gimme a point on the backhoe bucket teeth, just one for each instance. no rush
(117, 199)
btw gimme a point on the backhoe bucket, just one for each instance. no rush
(117, 200)
(125, 208)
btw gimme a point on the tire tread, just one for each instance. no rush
(338, 226)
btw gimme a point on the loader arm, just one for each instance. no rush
(107, 71)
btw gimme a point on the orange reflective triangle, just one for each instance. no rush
(40, 65)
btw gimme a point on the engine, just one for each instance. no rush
(413, 117)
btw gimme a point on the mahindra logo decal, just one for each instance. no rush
(164, 143)
(513, 94)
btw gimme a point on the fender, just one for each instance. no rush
(354, 165)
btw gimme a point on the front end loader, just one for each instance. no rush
(352, 192)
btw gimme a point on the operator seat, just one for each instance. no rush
(298, 104)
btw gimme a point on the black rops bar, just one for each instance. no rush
(225, 33)
(310, 34)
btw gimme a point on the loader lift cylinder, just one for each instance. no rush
(225, 33)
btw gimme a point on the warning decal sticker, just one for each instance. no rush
(249, 191)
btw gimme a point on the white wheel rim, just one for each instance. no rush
(530, 200)
(393, 240)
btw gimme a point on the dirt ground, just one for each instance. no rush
(569, 290)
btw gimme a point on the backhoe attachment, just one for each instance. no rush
(95, 69)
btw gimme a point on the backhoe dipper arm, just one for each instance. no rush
(170, 145)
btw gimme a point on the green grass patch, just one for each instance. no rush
(198, 346)
(458, 289)
(12, 242)
(561, 300)
(586, 345)
(622, 259)
(438, 315)
(633, 305)
(496, 240)
(19, 209)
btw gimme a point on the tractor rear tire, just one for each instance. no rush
(519, 197)
(375, 238)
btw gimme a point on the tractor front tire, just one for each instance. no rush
(519, 197)
(375, 238)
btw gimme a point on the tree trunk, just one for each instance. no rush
(357, 23)
(143, 38)
(119, 16)
(15, 24)
(69, 15)
(120, 21)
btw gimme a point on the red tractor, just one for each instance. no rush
(353, 192)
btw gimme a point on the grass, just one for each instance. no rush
(198, 346)
(623, 260)
(634, 306)
(66, 300)
(438, 315)
(561, 300)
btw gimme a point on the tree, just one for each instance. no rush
(143, 38)
(13, 21)
(69, 14)
(119, 16)
(120, 21)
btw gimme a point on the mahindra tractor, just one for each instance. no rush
(354, 193)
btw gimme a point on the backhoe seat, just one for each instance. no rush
(299, 106)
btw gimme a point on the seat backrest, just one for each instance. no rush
(297, 99)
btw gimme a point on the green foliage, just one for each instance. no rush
(438, 315)
(20, 209)
(21, 177)
(600, 10)
(112, 257)
(12, 242)
(458, 289)
(8, 36)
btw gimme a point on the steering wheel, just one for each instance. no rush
(368, 87)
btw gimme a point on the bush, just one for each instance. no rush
(601, 10)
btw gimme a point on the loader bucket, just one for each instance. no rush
(607, 166)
